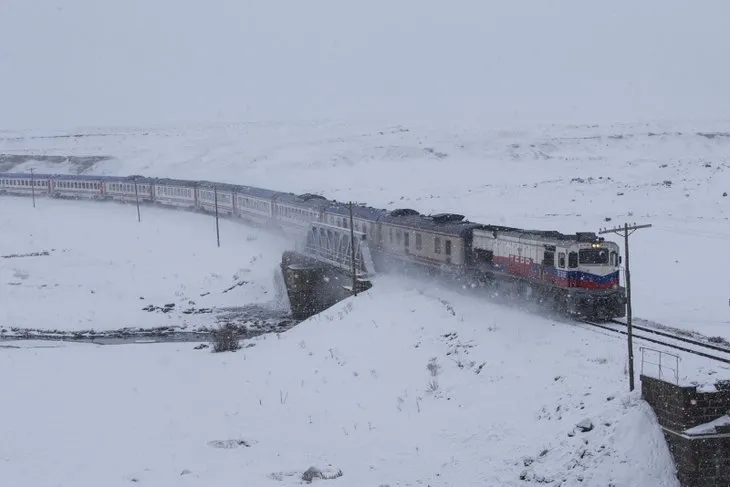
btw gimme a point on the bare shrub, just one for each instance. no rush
(225, 339)
(433, 367)
(314, 473)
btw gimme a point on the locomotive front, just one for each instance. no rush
(593, 270)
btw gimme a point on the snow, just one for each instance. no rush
(708, 428)
(406, 384)
(171, 257)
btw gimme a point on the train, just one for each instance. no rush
(576, 274)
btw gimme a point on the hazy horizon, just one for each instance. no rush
(83, 63)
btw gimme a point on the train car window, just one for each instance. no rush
(437, 245)
(397, 237)
(390, 235)
(561, 260)
(593, 256)
(418, 241)
(614, 259)
(573, 260)
(548, 258)
(447, 247)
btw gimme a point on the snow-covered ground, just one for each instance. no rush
(98, 268)
(406, 384)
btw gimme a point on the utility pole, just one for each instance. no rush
(32, 185)
(625, 231)
(352, 251)
(136, 197)
(217, 229)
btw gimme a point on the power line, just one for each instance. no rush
(625, 231)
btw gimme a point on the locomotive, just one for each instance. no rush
(577, 274)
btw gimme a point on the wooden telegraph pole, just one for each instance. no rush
(625, 231)
(352, 251)
(136, 198)
(217, 228)
(32, 185)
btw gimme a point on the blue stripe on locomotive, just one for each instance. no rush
(573, 276)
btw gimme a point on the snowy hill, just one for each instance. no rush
(407, 384)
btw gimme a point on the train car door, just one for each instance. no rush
(407, 242)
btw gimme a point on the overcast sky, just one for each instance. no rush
(67, 63)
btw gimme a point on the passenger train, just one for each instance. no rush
(577, 274)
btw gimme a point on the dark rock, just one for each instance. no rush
(585, 426)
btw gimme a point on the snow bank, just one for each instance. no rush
(406, 384)
(709, 428)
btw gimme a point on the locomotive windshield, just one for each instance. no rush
(593, 256)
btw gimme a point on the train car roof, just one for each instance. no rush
(358, 211)
(220, 186)
(311, 201)
(174, 182)
(445, 223)
(547, 236)
(256, 192)
(24, 175)
(82, 177)
(130, 179)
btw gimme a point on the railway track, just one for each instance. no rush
(677, 342)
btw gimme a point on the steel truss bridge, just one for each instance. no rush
(337, 246)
